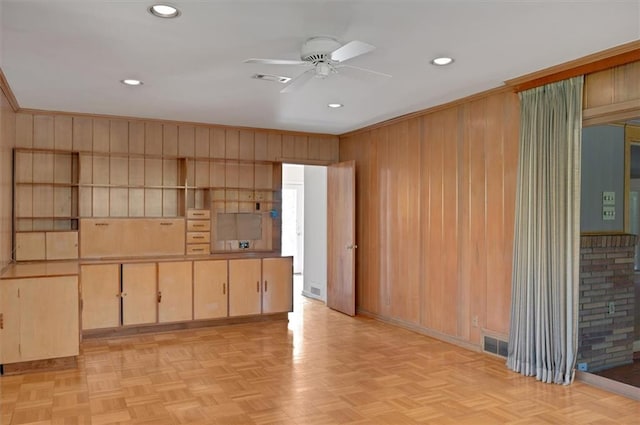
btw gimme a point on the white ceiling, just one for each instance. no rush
(70, 55)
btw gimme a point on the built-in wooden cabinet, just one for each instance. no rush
(277, 285)
(245, 295)
(100, 296)
(52, 245)
(210, 289)
(131, 237)
(39, 318)
(139, 294)
(175, 297)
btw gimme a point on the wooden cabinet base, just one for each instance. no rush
(40, 365)
(151, 328)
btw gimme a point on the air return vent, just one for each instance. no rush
(495, 346)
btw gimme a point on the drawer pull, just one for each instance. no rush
(265, 286)
(197, 214)
(197, 249)
(197, 237)
(101, 224)
(198, 225)
(166, 223)
(224, 289)
(257, 286)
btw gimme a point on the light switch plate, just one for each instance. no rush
(608, 213)
(608, 198)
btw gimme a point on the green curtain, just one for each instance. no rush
(543, 334)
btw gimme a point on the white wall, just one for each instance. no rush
(315, 232)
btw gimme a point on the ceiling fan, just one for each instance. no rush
(324, 56)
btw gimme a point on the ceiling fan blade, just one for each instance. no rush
(382, 74)
(351, 50)
(276, 61)
(299, 81)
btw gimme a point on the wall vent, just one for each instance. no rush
(495, 346)
(316, 291)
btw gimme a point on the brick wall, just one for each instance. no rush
(606, 276)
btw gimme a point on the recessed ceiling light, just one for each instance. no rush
(164, 11)
(131, 82)
(442, 61)
(335, 105)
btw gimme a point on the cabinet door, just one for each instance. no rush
(209, 289)
(167, 237)
(175, 297)
(244, 287)
(277, 285)
(102, 238)
(139, 294)
(100, 296)
(62, 245)
(49, 312)
(10, 331)
(30, 246)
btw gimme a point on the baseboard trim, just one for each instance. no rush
(607, 384)
(45, 365)
(170, 327)
(422, 330)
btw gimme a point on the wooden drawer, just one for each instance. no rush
(198, 214)
(198, 225)
(198, 237)
(200, 248)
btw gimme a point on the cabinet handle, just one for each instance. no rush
(198, 225)
(101, 224)
(258, 286)
(197, 237)
(197, 249)
(166, 223)
(265, 286)
(1, 320)
(197, 214)
(159, 296)
(124, 294)
(224, 288)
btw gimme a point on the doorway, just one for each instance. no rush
(304, 226)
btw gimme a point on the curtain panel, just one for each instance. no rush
(543, 334)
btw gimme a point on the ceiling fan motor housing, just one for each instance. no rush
(318, 49)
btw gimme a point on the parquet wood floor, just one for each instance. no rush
(320, 368)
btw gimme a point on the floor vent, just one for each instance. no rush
(495, 346)
(315, 291)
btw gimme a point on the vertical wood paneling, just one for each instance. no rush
(186, 141)
(300, 150)
(202, 142)
(24, 130)
(246, 145)
(119, 136)
(8, 140)
(82, 134)
(100, 135)
(153, 138)
(615, 85)
(43, 132)
(274, 148)
(170, 140)
(288, 146)
(217, 143)
(437, 196)
(63, 133)
(136, 137)
(232, 144)
(260, 152)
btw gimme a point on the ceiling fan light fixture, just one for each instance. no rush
(442, 61)
(164, 11)
(131, 82)
(335, 105)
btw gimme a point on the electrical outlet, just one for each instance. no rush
(582, 366)
(243, 244)
(612, 307)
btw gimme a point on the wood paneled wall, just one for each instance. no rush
(98, 134)
(7, 140)
(612, 94)
(435, 211)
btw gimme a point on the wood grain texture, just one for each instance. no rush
(612, 94)
(100, 296)
(341, 237)
(277, 285)
(245, 292)
(435, 217)
(347, 371)
(175, 291)
(210, 289)
(139, 294)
